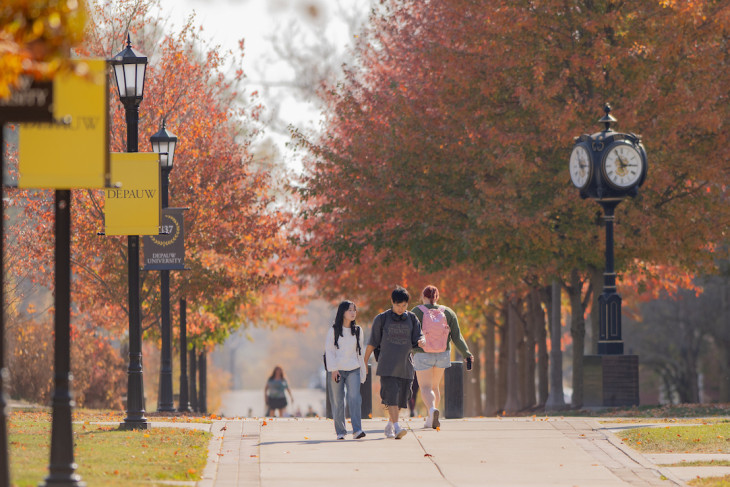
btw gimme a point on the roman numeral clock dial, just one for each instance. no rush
(623, 166)
(580, 167)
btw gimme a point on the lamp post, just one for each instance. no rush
(184, 403)
(129, 73)
(164, 142)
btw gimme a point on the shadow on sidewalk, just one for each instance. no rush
(372, 435)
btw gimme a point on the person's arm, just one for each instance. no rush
(376, 334)
(368, 351)
(363, 366)
(455, 333)
(417, 337)
(329, 351)
(266, 393)
(290, 394)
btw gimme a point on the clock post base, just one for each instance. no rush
(610, 380)
(611, 347)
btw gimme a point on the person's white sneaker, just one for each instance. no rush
(435, 423)
(358, 435)
(399, 432)
(340, 437)
(429, 419)
(389, 430)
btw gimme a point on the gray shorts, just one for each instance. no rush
(425, 360)
(395, 391)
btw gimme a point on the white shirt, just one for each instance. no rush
(345, 357)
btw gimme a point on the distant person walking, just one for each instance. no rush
(440, 327)
(394, 334)
(275, 393)
(346, 367)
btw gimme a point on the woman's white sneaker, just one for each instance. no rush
(389, 430)
(429, 419)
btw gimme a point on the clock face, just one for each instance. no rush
(623, 165)
(580, 167)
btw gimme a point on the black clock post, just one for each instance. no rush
(607, 167)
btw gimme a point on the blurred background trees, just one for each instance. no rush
(436, 153)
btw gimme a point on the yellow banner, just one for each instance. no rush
(74, 152)
(133, 206)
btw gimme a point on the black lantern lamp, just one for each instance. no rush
(164, 142)
(129, 72)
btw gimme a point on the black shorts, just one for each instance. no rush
(395, 391)
(277, 402)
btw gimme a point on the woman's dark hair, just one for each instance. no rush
(273, 373)
(400, 295)
(338, 324)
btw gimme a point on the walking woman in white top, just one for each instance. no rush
(346, 367)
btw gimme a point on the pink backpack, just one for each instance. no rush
(435, 328)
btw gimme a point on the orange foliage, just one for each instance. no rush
(36, 37)
(445, 146)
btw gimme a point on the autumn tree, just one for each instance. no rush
(234, 235)
(447, 140)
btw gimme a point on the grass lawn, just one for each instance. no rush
(711, 482)
(652, 411)
(709, 437)
(104, 454)
(704, 438)
(699, 463)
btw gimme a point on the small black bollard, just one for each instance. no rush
(454, 391)
(366, 392)
(328, 406)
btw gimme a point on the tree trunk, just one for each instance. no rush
(503, 359)
(723, 348)
(530, 332)
(512, 404)
(578, 332)
(490, 370)
(520, 352)
(474, 382)
(193, 378)
(541, 338)
(556, 400)
(203, 381)
(596, 276)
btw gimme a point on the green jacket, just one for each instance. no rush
(454, 335)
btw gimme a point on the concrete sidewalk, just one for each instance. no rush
(468, 452)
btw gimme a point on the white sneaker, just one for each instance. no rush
(389, 430)
(429, 419)
(399, 432)
(435, 423)
(340, 437)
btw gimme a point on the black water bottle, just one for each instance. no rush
(468, 363)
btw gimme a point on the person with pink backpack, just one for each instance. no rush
(440, 327)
